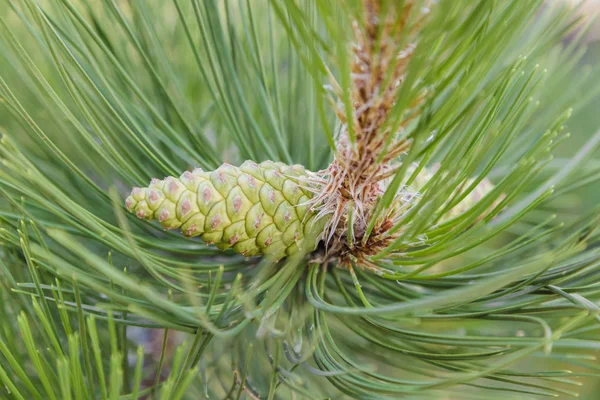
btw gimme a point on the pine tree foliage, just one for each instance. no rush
(483, 280)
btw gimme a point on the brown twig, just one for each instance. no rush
(357, 174)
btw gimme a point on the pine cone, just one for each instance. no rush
(481, 190)
(256, 209)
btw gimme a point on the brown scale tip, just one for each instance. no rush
(206, 194)
(164, 215)
(191, 230)
(172, 187)
(186, 207)
(129, 202)
(237, 203)
(215, 221)
(257, 220)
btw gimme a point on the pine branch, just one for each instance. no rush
(426, 130)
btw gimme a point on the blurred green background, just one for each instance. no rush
(582, 125)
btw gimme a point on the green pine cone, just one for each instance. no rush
(480, 190)
(255, 209)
